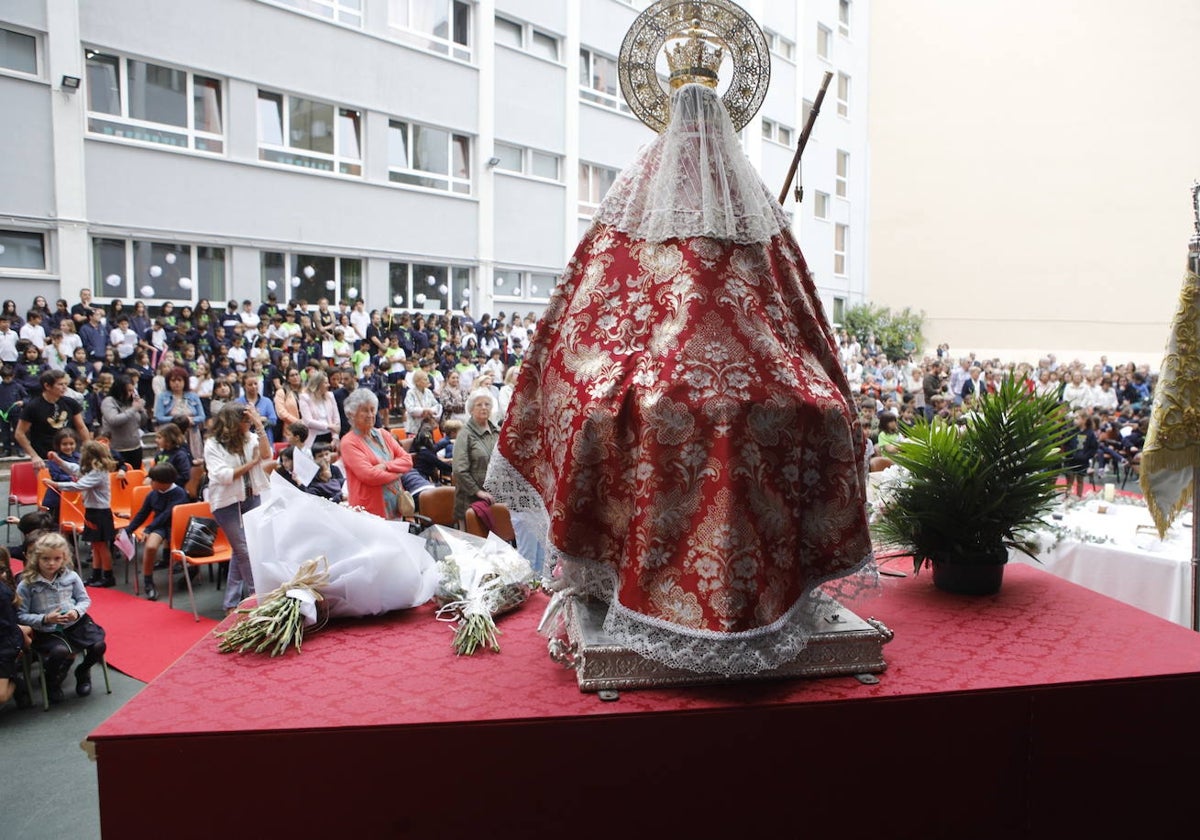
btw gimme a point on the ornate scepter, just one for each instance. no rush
(1194, 268)
(803, 141)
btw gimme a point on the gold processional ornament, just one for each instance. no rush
(702, 30)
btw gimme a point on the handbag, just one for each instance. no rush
(199, 537)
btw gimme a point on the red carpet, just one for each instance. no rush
(144, 637)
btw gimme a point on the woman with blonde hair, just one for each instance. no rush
(319, 411)
(233, 457)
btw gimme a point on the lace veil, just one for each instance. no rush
(694, 179)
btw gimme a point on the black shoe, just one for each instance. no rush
(151, 593)
(107, 581)
(97, 579)
(162, 563)
(21, 694)
(83, 681)
(55, 693)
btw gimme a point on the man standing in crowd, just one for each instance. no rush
(94, 339)
(931, 385)
(81, 311)
(47, 414)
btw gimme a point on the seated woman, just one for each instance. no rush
(373, 460)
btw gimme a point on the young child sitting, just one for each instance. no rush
(31, 525)
(297, 434)
(54, 603)
(160, 501)
(66, 446)
(172, 449)
(329, 480)
(95, 464)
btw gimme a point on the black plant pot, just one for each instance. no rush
(968, 578)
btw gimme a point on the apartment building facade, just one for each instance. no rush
(420, 154)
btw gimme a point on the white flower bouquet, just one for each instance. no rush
(306, 550)
(478, 579)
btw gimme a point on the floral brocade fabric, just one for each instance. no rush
(682, 418)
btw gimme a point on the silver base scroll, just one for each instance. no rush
(848, 645)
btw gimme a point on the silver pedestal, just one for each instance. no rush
(845, 645)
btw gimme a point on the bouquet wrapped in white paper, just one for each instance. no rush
(373, 565)
(478, 579)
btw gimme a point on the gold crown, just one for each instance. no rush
(694, 60)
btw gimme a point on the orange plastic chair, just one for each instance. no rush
(222, 551)
(399, 434)
(71, 515)
(121, 493)
(139, 497)
(500, 518)
(437, 434)
(43, 475)
(140, 492)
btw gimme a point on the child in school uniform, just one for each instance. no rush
(92, 472)
(159, 503)
(54, 603)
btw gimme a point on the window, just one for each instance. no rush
(523, 37)
(821, 206)
(309, 134)
(824, 36)
(18, 52)
(151, 103)
(528, 162)
(598, 80)
(844, 18)
(508, 284)
(841, 236)
(843, 95)
(779, 45)
(839, 311)
(594, 182)
(843, 173)
(429, 287)
(342, 11)
(310, 276)
(441, 26)
(131, 268)
(779, 133)
(22, 249)
(423, 156)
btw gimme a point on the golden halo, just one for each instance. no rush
(724, 22)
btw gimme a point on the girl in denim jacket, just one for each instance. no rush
(54, 602)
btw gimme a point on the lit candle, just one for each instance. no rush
(1110, 492)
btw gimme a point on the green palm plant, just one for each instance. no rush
(972, 492)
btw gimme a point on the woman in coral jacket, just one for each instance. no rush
(372, 459)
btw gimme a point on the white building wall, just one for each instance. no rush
(76, 185)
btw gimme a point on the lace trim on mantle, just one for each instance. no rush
(701, 651)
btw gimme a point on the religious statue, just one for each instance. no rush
(681, 426)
